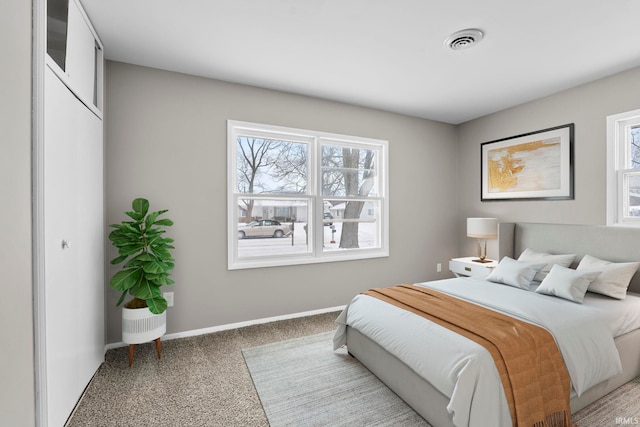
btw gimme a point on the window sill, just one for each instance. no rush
(274, 262)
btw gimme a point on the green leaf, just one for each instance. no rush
(124, 241)
(161, 252)
(164, 222)
(141, 206)
(116, 235)
(130, 249)
(157, 305)
(127, 226)
(162, 241)
(150, 219)
(145, 256)
(160, 279)
(133, 264)
(124, 294)
(152, 239)
(125, 279)
(119, 259)
(143, 289)
(137, 216)
(140, 260)
(155, 267)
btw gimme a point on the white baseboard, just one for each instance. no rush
(220, 328)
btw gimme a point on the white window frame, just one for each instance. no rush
(314, 196)
(618, 126)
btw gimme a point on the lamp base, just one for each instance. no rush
(484, 261)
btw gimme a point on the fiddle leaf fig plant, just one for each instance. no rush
(147, 258)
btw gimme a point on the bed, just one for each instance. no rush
(425, 391)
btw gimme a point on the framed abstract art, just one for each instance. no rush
(532, 166)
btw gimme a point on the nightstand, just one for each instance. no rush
(465, 267)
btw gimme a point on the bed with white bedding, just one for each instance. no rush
(451, 380)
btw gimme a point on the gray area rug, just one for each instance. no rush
(303, 382)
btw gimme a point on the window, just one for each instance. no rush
(623, 168)
(57, 22)
(298, 196)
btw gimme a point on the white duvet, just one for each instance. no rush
(464, 371)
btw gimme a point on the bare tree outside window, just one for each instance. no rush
(633, 179)
(635, 147)
(270, 166)
(348, 172)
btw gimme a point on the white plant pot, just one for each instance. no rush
(140, 325)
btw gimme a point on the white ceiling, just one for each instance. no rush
(384, 54)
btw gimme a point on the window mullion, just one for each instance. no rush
(318, 225)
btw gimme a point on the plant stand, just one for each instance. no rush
(132, 348)
(139, 325)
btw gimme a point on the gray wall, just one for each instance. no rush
(16, 310)
(588, 107)
(166, 141)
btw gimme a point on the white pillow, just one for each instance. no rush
(532, 256)
(567, 283)
(615, 277)
(514, 273)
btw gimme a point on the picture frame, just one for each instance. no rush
(531, 166)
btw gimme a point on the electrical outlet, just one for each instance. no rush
(439, 267)
(169, 297)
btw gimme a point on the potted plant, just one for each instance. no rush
(147, 258)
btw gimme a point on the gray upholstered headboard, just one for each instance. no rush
(616, 244)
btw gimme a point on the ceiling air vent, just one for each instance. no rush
(464, 39)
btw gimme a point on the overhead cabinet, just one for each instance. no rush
(74, 50)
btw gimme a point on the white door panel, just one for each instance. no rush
(60, 272)
(90, 244)
(81, 46)
(73, 205)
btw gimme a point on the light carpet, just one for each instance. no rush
(303, 382)
(620, 407)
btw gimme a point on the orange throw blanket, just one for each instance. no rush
(533, 374)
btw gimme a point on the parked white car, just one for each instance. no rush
(263, 228)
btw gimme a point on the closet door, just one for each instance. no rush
(90, 240)
(60, 274)
(74, 239)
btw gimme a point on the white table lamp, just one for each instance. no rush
(482, 228)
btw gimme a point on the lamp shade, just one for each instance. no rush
(482, 228)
